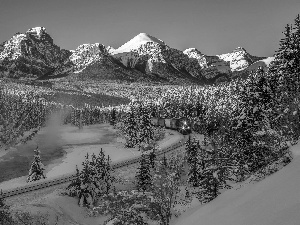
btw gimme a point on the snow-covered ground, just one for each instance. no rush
(77, 143)
(272, 201)
(66, 208)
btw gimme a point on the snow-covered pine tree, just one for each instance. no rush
(191, 150)
(194, 173)
(152, 157)
(130, 129)
(36, 168)
(107, 178)
(213, 177)
(188, 144)
(81, 117)
(5, 215)
(84, 192)
(93, 181)
(143, 176)
(165, 190)
(164, 161)
(285, 69)
(113, 117)
(145, 128)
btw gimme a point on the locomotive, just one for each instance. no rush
(180, 124)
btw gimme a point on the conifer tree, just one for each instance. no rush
(5, 215)
(165, 190)
(108, 179)
(145, 129)
(113, 117)
(130, 129)
(195, 165)
(152, 157)
(143, 176)
(93, 180)
(37, 168)
(213, 177)
(187, 147)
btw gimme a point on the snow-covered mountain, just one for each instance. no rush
(212, 66)
(151, 55)
(86, 54)
(137, 42)
(239, 59)
(33, 54)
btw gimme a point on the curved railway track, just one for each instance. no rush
(69, 177)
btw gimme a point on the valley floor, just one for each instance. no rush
(74, 144)
(50, 201)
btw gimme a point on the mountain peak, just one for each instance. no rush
(239, 49)
(190, 50)
(137, 41)
(37, 31)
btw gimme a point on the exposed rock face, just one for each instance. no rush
(93, 61)
(211, 66)
(33, 55)
(86, 54)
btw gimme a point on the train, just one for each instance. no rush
(182, 125)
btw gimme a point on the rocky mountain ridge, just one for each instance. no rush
(144, 57)
(33, 54)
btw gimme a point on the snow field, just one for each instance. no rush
(272, 201)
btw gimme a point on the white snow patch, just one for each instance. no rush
(136, 42)
(272, 201)
(37, 30)
(268, 60)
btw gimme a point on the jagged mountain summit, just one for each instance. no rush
(33, 54)
(86, 54)
(143, 58)
(239, 59)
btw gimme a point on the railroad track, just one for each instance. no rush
(69, 177)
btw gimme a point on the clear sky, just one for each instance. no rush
(211, 26)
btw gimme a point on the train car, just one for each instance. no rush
(175, 124)
(180, 124)
(154, 121)
(168, 123)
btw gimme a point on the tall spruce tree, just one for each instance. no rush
(146, 130)
(5, 215)
(113, 117)
(143, 176)
(214, 176)
(36, 171)
(130, 129)
(93, 180)
(152, 157)
(194, 174)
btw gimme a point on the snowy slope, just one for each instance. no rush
(33, 54)
(86, 54)
(211, 66)
(268, 60)
(137, 42)
(272, 201)
(239, 59)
